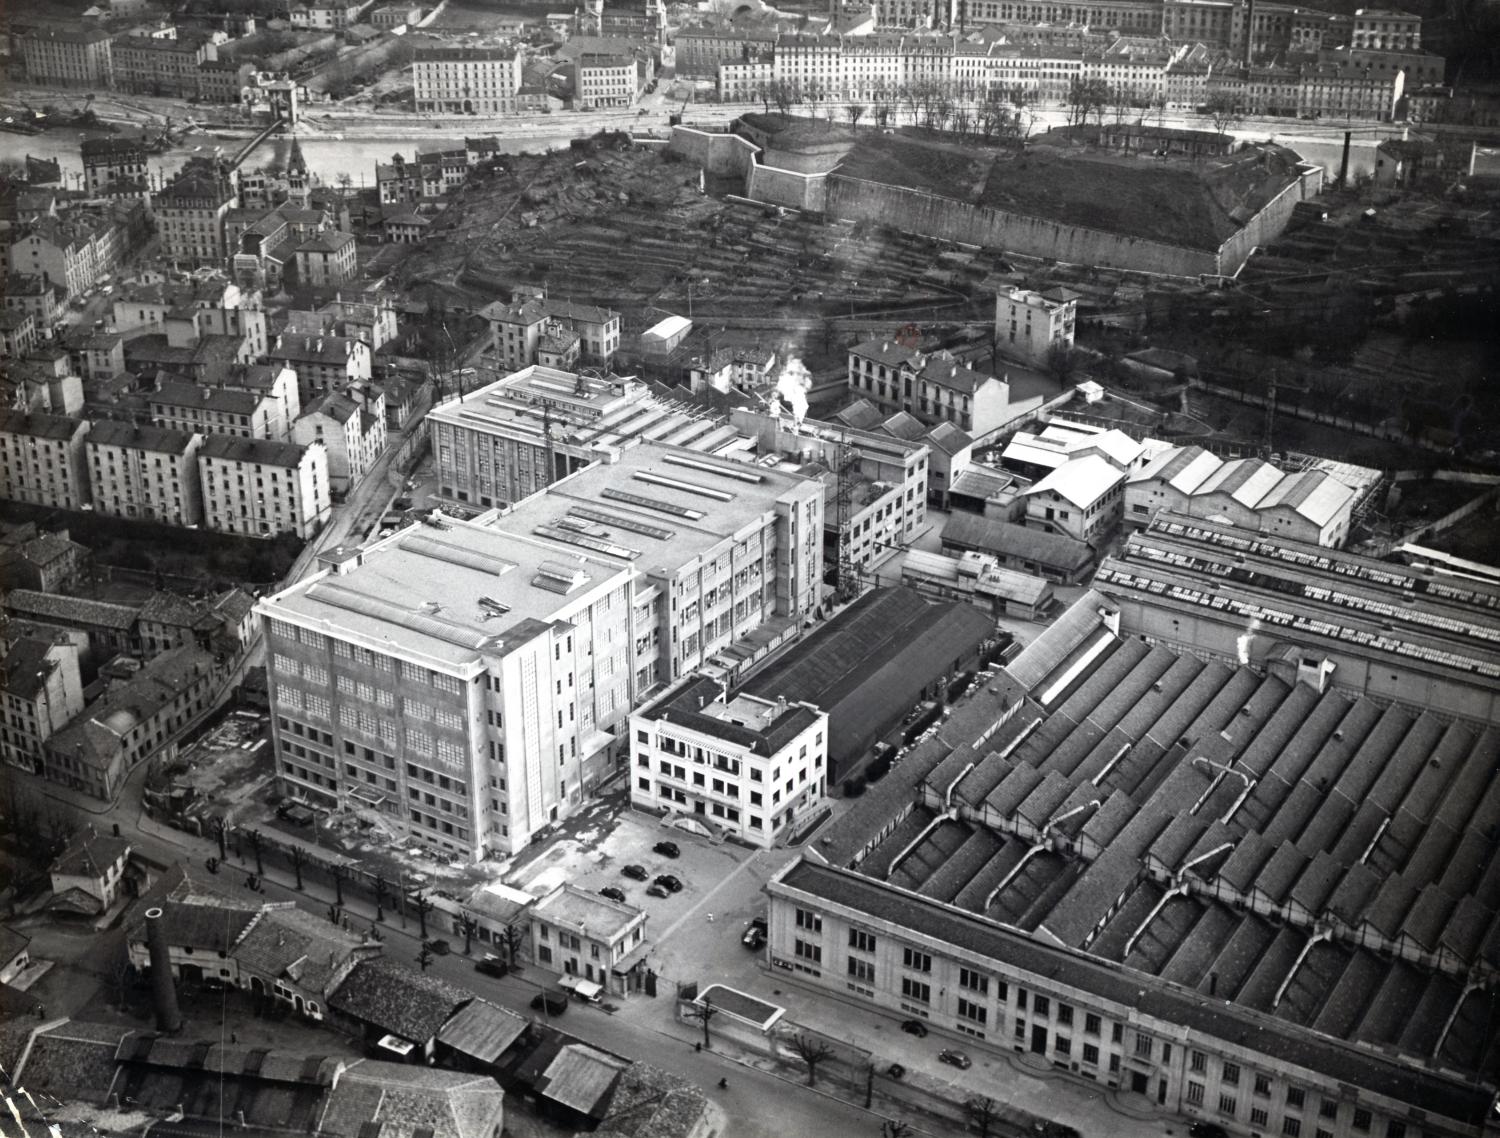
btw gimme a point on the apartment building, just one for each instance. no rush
(609, 80)
(322, 363)
(741, 767)
(42, 459)
(145, 472)
(152, 65)
(190, 213)
(133, 720)
(66, 57)
(934, 388)
(1386, 29)
(18, 334)
(468, 682)
(40, 692)
(32, 294)
(579, 933)
(111, 164)
(352, 432)
(1029, 323)
(724, 549)
(212, 410)
(518, 328)
(261, 488)
(700, 52)
(466, 80)
(224, 81)
(327, 260)
(68, 253)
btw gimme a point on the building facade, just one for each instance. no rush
(217, 410)
(582, 934)
(934, 388)
(112, 162)
(190, 215)
(40, 692)
(145, 472)
(42, 459)
(746, 768)
(466, 80)
(1029, 324)
(352, 432)
(261, 488)
(69, 58)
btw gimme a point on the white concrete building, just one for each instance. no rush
(465, 683)
(582, 934)
(261, 488)
(1082, 499)
(352, 431)
(746, 768)
(145, 472)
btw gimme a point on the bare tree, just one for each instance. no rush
(814, 94)
(982, 1112)
(257, 844)
(299, 859)
(1086, 97)
(514, 938)
(1063, 362)
(119, 970)
(1224, 111)
(424, 958)
(340, 872)
(470, 926)
(704, 1013)
(423, 904)
(812, 1052)
(765, 91)
(854, 112)
(895, 1128)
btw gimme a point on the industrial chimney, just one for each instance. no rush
(163, 989)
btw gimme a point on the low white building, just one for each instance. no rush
(1082, 498)
(579, 933)
(261, 488)
(744, 767)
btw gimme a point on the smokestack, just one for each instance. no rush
(163, 989)
(1249, 31)
(1344, 165)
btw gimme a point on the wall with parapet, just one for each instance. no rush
(718, 153)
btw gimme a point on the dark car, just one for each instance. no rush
(915, 1027)
(755, 935)
(636, 872)
(1207, 1130)
(554, 1003)
(491, 965)
(438, 946)
(654, 890)
(666, 849)
(955, 1058)
(669, 883)
(612, 893)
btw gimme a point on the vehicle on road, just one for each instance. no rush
(491, 965)
(437, 946)
(636, 872)
(554, 1003)
(585, 990)
(755, 935)
(915, 1027)
(1207, 1130)
(654, 890)
(666, 849)
(613, 893)
(955, 1058)
(669, 883)
(895, 1071)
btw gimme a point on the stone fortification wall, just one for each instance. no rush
(717, 152)
(1267, 225)
(932, 216)
(807, 192)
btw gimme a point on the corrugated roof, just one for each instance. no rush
(1081, 481)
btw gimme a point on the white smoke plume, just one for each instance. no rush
(1242, 645)
(793, 385)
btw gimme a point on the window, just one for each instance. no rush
(1091, 1054)
(915, 990)
(1394, 1129)
(1143, 1046)
(1041, 1006)
(1295, 1096)
(1065, 1015)
(807, 951)
(1091, 1023)
(1199, 1062)
(1258, 1116)
(812, 922)
(862, 970)
(1195, 1092)
(861, 940)
(1291, 1126)
(1228, 1104)
(975, 1013)
(1232, 1074)
(974, 981)
(916, 961)
(1262, 1085)
(1328, 1108)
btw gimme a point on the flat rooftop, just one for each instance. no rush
(1289, 809)
(658, 507)
(453, 592)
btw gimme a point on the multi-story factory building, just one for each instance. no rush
(461, 683)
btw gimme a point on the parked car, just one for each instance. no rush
(755, 935)
(554, 1003)
(654, 890)
(667, 849)
(636, 872)
(669, 883)
(895, 1070)
(955, 1058)
(438, 946)
(915, 1027)
(613, 893)
(1207, 1130)
(491, 965)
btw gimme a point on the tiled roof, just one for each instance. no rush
(262, 451)
(298, 946)
(398, 1000)
(989, 535)
(90, 855)
(394, 1100)
(25, 668)
(38, 425)
(220, 399)
(73, 610)
(110, 432)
